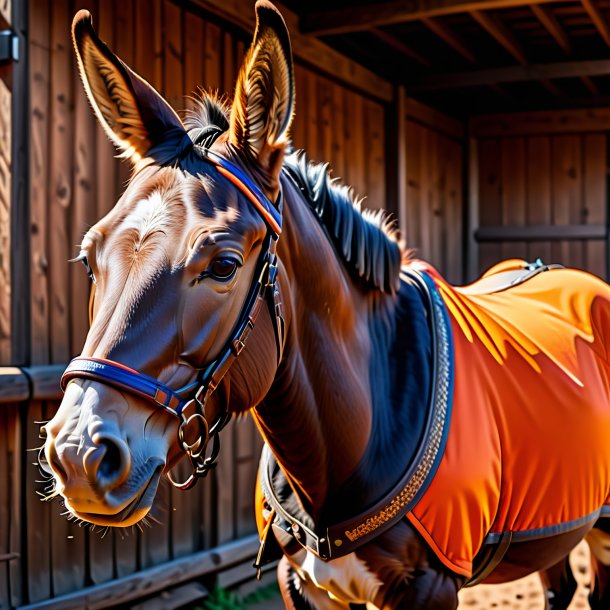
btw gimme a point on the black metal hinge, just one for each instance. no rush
(9, 46)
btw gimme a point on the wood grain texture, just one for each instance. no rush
(39, 173)
(5, 222)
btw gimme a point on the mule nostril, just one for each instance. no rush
(110, 465)
(108, 462)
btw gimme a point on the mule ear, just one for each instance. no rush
(134, 116)
(264, 95)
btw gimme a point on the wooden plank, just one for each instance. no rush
(374, 123)
(308, 49)
(414, 134)
(5, 507)
(39, 154)
(5, 222)
(556, 233)
(325, 117)
(174, 598)
(13, 443)
(434, 119)
(299, 123)
(500, 33)
(542, 123)
(363, 17)
(20, 217)
(553, 27)
(594, 199)
(193, 55)
(152, 580)
(229, 69)
(14, 385)
(597, 17)
(337, 133)
(246, 467)
(213, 58)
(353, 110)
(226, 486)
(399, 45)
(565, 169)
(312, 116)
(449, 37)
(37, 516)
(424, 180)
(490, 201)
(538, 192)
(472, 266)
(454, 212)
(60, 183)
(511, 74)
(145, 45)
(512, 151)
(399, 142)
(435, 205)
(173, 58)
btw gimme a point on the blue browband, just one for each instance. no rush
(188, 403)
(123, 378)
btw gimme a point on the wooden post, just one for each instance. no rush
(20, 250)
(471, 196)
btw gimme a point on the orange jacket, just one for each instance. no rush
(529, 442)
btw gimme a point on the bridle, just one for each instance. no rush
(188, 403)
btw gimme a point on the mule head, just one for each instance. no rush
(172, 264)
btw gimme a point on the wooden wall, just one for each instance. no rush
(433, 209)
(74, 180)
(542, 189)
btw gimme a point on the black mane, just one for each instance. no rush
(365, 240)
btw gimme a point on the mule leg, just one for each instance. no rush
(559, 585)
(599, 543)
(299, 594)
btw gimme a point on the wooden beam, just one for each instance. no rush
(598, 19)
(448, 36)
(430, 117)
(553, 27)
(541, 233)
(146, 582)
(511, 74)
(589, 85)
(497, 30)
(401, 47)
(551, 87)
(545, 122)
(361, 18)
(311, 51)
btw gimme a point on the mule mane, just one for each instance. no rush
(365, 240)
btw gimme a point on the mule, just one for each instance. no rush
(419, 437)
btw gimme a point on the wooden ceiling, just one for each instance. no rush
(471, 57)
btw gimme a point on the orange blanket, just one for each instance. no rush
(529, 443)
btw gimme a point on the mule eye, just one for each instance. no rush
(223, 269)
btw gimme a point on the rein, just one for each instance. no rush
(188, 403)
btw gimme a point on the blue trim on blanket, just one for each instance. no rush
(439, 305)
(550, 530)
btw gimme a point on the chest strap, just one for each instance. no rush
(344, 538)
